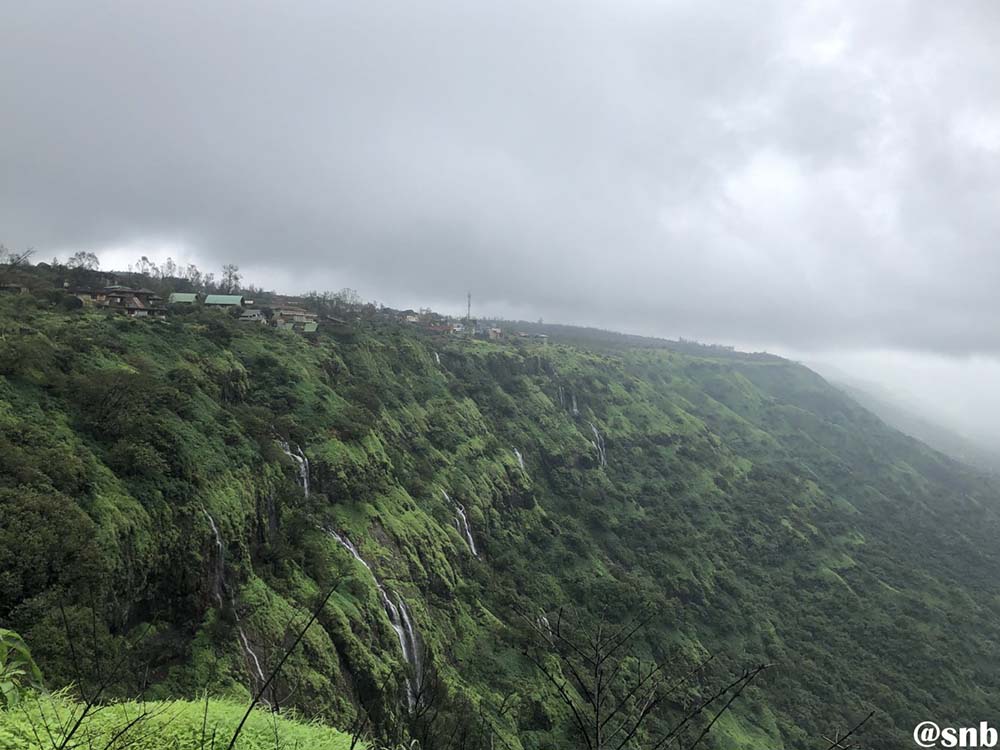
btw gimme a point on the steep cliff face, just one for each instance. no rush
(201, 483)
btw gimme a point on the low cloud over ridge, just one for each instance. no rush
(819, 176)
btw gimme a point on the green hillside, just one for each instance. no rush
(177, 725)
(907, 419)
(172, 493)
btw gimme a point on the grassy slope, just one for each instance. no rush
(157, 725)
(762, 513)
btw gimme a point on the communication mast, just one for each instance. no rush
(468, 307)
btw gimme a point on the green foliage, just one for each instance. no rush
(18, 671)
(155, 725)
(759, 512)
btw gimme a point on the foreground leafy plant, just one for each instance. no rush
(18, 671)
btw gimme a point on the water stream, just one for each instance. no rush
(300, 459)
(219, 576)
(599, 445)
(462, 524)
(219, 584)
(400, 619)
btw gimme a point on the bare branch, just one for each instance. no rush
(281, 662)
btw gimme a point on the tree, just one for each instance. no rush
(193, 275)
(84, 260)
(231, 278)
(169, 269)
(15, 258)
(347, 297)
(611, 694)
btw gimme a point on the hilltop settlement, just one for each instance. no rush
(149, 292)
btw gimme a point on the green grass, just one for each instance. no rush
(42, 722)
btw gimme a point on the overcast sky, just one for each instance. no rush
(814, 178)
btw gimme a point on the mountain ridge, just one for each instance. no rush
(762, 515)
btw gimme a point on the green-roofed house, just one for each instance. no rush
(183, 298)
(224, 300)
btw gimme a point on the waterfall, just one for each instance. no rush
(402, 623)
(250, 652)
(399, 617)
(221, 587)
(349, 546)
(576, 412)
(599, 445)
(300, 459)
(219, 579)
(462, 524)
(437, 357)
(520, 458)
(562, 397)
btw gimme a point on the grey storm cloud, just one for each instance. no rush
(801, 175)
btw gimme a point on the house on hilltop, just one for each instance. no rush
(253, 316)
(183, 298)
(135, 303)
(224, 301)
(288, 314)
(88, 295)
(295, 319)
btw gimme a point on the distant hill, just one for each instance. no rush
(905, 418)
(604, 339)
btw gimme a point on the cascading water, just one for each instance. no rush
(219, 577)
(520, 458)
(349, 546)
(250, 652)
(462, 524)
(437, 357)
(400, 619)
(576, 412)
(599, 445)
(221, 587)
(402, 623)
(303, 463)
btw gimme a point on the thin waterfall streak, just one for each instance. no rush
(399, 619)
(598, 443)
(302, 463)
(252, 654)
(221, 588)
(462, 524)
